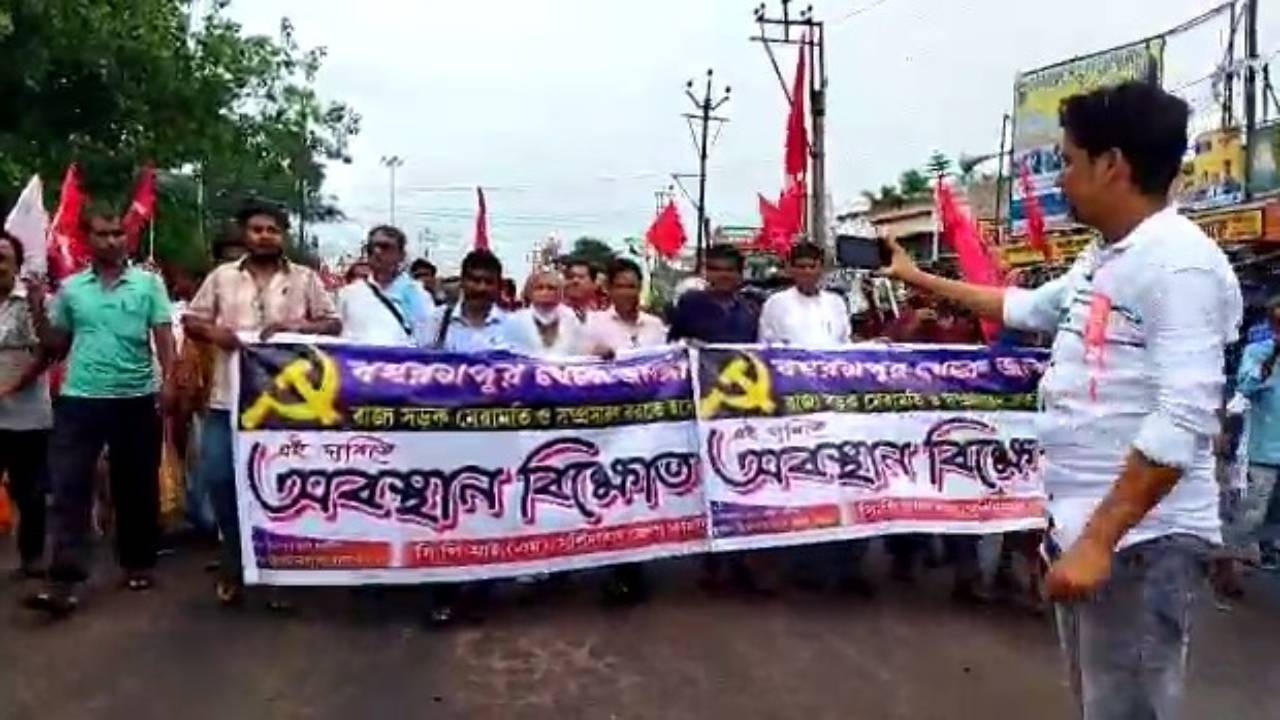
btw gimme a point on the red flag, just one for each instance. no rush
(68, 252)
(961, 233)
(141, 210)
(781, 223)
(666, 234)
(482, 223)
(797, 138)
(1032, 211)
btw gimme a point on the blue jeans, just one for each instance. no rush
(1126, 648)
(218, 476)
(199, 506)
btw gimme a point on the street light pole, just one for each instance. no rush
(705, 106)
(391, 162)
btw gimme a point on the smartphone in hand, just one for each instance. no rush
(862, 253)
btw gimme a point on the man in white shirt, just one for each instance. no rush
(546, 328)
(388, 307)
(580, 287)
(805, 314)
(614, 332)
(1129, 400)
(623, 327)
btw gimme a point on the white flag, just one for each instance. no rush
(29, 222)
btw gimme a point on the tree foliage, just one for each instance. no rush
(116, 84)
(913, 183)
(594, 251)
(938, 165)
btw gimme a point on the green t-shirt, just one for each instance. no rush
(110, 332)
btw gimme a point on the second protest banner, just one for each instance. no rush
(382, 465)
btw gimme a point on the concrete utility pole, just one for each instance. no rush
(705, 106)
(662, 197)
(1250, 90)
(810, 35)
(391, 162)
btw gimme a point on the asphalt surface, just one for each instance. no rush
(908, 653)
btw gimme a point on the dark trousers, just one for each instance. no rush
(962, 551)
(24, 455)
(129, 428)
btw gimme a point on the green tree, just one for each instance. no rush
(594, 251)
(938, 165)
(913, 183)
(114, 84)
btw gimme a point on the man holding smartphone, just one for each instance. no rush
(1129, 400)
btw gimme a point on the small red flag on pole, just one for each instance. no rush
(961, 233)
(68, 253)
(1033, 213)
(797, 160)
(666, 234)
(482, 223)
(142, 209)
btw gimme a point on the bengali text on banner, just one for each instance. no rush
(362, 464)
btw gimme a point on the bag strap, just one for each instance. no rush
(445, 321)
(390, 306)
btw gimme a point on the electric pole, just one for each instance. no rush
(662, 197)
(1229, 79)
(1250, 90)
(705, 106)
(810, 36)
(391, 162)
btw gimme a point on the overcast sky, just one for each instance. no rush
(569, 110)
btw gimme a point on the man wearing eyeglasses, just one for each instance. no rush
(388, 307)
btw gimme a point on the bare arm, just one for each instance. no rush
(36, 367)
(55, 341)
(987, 302)
(1087, 564)
(1141, 486)
(166, 349)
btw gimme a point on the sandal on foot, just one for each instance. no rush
(229, 593)
(138, 582)
(57, 605)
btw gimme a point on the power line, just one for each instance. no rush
(858, 11)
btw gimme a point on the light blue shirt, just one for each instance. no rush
(1264, 404)
(413, 303)
(464, 337)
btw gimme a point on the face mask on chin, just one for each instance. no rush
(548, 316)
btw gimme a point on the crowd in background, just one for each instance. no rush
(146, 393)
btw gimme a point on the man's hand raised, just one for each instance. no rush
(901, 266)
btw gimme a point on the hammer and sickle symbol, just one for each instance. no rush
(316, 403)
(743, 384)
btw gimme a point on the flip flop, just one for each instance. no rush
(229, 593)
(56, 605)
(139, 583)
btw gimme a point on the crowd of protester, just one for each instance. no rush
(120, 329)
(144, 409)
(139, 371)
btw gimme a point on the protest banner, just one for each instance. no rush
(360, 464)
(804, 446)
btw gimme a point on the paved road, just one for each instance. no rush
(907, 654)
